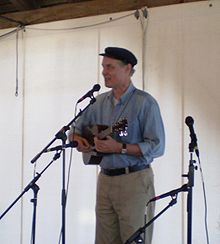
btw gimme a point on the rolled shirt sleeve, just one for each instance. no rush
(153, 145)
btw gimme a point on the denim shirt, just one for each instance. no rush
(145, 125)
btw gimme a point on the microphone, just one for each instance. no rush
(71, 144)
(189, 122)
(170, 193)
(95, 88)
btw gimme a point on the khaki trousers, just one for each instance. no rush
(121, 206)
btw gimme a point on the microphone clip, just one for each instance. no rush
(72, 144)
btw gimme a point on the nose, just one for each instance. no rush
(104, 71)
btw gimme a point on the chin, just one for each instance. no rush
(108, 84)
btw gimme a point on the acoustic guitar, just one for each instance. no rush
(101, 131)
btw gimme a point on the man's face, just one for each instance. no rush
(115, 73)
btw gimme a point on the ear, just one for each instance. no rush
(129, 68)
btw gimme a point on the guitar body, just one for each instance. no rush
(92, 158)
(100, 131)
(90, 132)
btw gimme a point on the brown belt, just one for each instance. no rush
(122, 171)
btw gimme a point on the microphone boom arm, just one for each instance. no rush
(59, 134)
(136, 236)
(170, 193)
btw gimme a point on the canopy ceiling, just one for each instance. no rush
(25, 12)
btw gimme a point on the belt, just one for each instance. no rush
(122, 171)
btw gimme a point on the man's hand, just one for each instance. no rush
(83, 145)
(109, 145)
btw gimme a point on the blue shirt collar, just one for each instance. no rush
(125, 96)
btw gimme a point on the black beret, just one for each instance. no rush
(122, 54)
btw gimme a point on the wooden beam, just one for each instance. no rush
(5, 8)
(78, 10)
(22, 5)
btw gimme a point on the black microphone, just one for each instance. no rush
(95, 88)
(189, 122)
(57, 148)
(170, 193)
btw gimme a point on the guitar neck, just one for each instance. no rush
(108, 131)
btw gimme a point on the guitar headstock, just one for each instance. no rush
(121, 127)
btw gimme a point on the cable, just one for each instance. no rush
(144, 26)
(68, 180)
(68, 175)
(16, 86)
(22, 26)
(205, 202)
(81, 27)
(12, 32)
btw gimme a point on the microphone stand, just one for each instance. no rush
(186, 187)
(59, 135)
(32, 185)
(136, 237)
(190, 184)
(35, 189)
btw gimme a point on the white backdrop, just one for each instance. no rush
(179, 48)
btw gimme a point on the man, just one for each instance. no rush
(125, 182)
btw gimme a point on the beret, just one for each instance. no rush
(122, 54)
